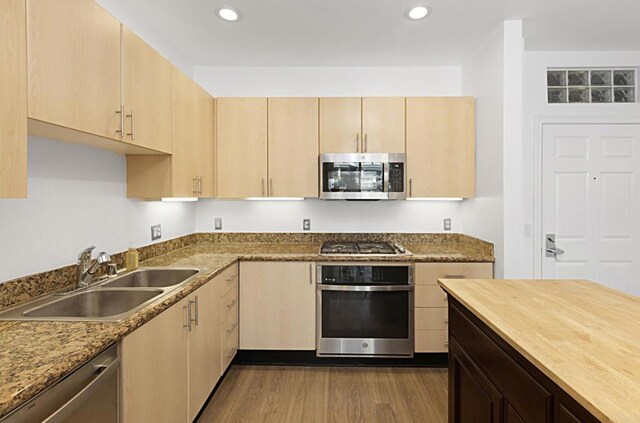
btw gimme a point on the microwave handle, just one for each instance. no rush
(385, 169)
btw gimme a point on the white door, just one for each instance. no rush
(591, 203)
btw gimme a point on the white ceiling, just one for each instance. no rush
(372, 32)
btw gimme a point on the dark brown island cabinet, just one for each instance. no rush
(489, 381)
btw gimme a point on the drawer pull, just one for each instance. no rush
(454, 276)
(231, 304)
(233, 326)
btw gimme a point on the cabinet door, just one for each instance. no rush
(154, 369)
(204, 345)
(472, 397)
(242, 147)
(293, 147)
(340, 125)
(205, 140)
(74, 65)
(383, 124)
(146, 78)
(183, 173)
(277, 306)
(441, 132)
(13, 101)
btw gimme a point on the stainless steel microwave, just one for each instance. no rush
(363, 176)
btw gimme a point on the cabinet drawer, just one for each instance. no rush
(229, 280)
(228, 304)
(432, 318)
(428, 340)
(429, 273)
(229, 349)
(430, 296)
(528, 398)
(230, 324)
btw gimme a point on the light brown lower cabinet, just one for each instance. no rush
(431, 317)
(277, 306)
(171, 364)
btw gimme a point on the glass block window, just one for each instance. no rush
(591, 85)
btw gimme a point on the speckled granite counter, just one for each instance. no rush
(34, 355)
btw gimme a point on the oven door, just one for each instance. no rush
(354, 176)
(365, 321)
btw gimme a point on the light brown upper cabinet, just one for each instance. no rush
(241, 125)
(293, 147)
(13, 100)
(362, 125)
(184, 176)
(74, 66)
(340, 125)
(188, 172)
(441, 147)
(205, 140)
(383, 125)
(146, 83)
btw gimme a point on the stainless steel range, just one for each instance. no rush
(365, 309)
(351, 248)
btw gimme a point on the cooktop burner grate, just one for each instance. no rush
(357, 248)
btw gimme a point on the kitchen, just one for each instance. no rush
(329, 213)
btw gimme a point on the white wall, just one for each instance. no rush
(329, 81)
(482, 77)
(536, 110)
(329, 216)
(77, 198)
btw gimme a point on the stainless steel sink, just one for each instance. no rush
(112, 300)
(95, 304)
(151, 278)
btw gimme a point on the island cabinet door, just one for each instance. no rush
(473, 398)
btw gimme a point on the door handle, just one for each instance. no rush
(550, 246)
(188, 308)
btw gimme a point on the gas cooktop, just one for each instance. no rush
(361, 247)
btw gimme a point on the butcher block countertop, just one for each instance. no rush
(585, 337)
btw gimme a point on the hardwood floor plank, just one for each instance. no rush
(329, 394)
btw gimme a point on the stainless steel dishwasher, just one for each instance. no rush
(89, 394)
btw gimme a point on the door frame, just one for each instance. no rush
(540, 122)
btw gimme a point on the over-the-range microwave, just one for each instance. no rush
(363, 176)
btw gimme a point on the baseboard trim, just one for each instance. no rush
(308, 358)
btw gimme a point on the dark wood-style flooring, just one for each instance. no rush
(329, 394)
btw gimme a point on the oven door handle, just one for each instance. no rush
(359, 288)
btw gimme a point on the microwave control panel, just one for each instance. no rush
(396, 177)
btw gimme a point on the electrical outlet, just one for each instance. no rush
(447, 224)
(306, 224)
(156, 232)
(217, 223)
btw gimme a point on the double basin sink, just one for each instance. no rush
(109, 300)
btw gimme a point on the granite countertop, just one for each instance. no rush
(34, 355)
(582, 335)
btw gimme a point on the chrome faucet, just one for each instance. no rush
(87, 268)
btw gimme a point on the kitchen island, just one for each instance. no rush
(542, 350)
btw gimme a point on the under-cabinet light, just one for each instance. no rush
(174, 199)
(275, 198)
(435, 199)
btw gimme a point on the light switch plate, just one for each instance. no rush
(217, 223)
(447, 224)
(306, 224)
(156, 232)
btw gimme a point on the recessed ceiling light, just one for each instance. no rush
(229, 14)
(417, 12)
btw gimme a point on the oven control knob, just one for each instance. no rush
(365, 345)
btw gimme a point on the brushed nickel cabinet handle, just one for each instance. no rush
(133, 124)
(199, 185)
(310, 273)
(195, 302)
(263, 187)
(454, 276)
(194, 185)
(357, 143)
(366, 147)
(188, 308)
(121, 113)
(410, 187)
(271, 187)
